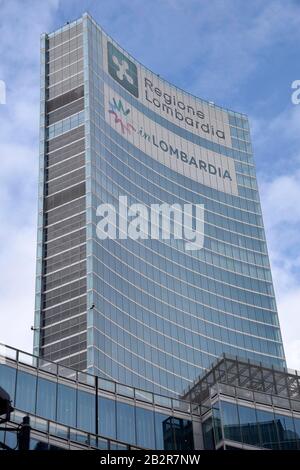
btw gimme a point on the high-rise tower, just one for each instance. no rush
(147, 312)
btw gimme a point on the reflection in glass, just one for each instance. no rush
(249, 428)
(66, 405)
(208, 434)
(107, 417)
(125, 423)
(145, 428)
(8, 380)
(86, 411)
(173, 433)
(26, 386)
(231, 421)
(267, 429)
(217, 423)
(46, 399)
(286, 432)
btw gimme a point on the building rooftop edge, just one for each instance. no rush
(90, 17)
(33, 360)
(204, 379)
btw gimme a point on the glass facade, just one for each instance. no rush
(145, 312)
(248, 405)
(78, 407)
(252, 426)
(253, 407)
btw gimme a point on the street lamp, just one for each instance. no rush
(23, 430)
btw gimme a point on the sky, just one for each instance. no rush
(241, 55)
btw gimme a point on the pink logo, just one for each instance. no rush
(117, 110)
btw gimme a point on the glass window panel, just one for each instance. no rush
(11, 439)
(183, 434)
(46, 399)
(8, 380)
(86, 411)
(116, 446)
(286, 432)
(231, 421)
(249, 428)
(26, 392)
(145, 428)
(125, 423)
(267, 428)
(126, 391)
(59, 430)
(106, 385)
(79, 436)
(2, 436)
(107, 417)
(38, 445)
(217, 423)
(164, 438)
(208, 434)
(66, 405)
(173, 433)
(297, 430)
(102, 444)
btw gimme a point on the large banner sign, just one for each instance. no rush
(182, 109)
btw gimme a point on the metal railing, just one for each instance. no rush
(21, 357)
(67, 435)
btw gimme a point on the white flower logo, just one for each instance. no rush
(122, 72)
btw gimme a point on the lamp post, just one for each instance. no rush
(23, 430)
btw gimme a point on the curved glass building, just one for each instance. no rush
(145, 311)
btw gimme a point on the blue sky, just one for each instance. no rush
(242, 55)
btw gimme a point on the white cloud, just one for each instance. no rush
(17, 286)
(288, 306)
(280, 203)
(281, 200)
(214, 48)
(19, 66)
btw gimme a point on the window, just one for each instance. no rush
(66, 111)
(66, 405)
(8, 380)
(173, 433)
(107, 418)
(46, 399)
(183, 434)
(26, 392)
(65, 99)
(217, 423)
(230, 420)
(267, 429)
(286, 432)
(86, 411)
(38, 445)
(249, 428)
(125, 423)
(297, 429)
(65, 139)
(2, 436)
(65, 196)
(11, 439)
(145, 428)
(163, 439)
(208, 434)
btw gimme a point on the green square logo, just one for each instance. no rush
(121, 69)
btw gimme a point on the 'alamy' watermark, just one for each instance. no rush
(157, 222)
(2, 92)
(295, 97)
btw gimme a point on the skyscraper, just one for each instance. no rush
(148, 311)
